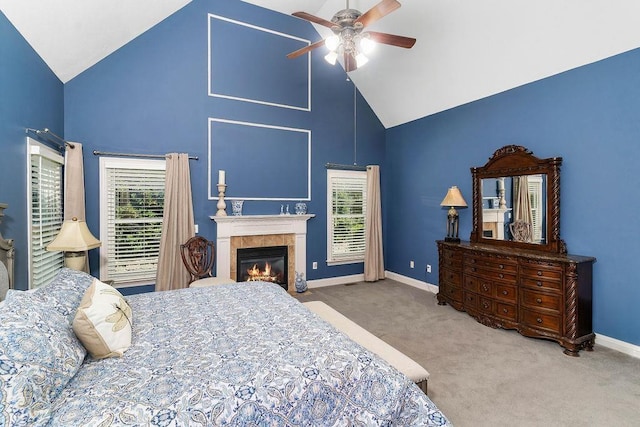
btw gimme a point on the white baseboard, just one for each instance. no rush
(412, 282)
(621, 346)
(603, 340)
(344, 280)
(332, 281)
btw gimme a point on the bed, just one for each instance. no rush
(234, 354)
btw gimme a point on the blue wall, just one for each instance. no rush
(588, 116)
(30, 96)
(151, 96)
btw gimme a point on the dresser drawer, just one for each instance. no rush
(491, 263)
(541, 284)
(541, 300)
(485, 305)
(506, 293)
(505, 276)
(451, 260)
(451, 277)
(538, 320)
(506, 311)
(550, 272)
(452, 292)
(470, 300)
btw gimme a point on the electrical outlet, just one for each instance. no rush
(428, 268)
(314, 265)
(196, 228)
(411, 264)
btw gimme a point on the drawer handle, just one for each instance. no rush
(505, 293)
(539, 300)
(473, 269)
(450, 276)
(538, 283)
(469, 298)
(451, 291)
(501, 276)
(504, 310)
(485, 305)
(501, 267)
(485, 287)
(539, 320)
(539, 273)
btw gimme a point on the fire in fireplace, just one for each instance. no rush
(267, 264)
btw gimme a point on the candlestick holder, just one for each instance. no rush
(222, 206)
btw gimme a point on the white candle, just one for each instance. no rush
(221, 177)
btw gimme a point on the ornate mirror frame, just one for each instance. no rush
(516, 160)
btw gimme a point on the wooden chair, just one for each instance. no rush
(198, 257)
(520, 230)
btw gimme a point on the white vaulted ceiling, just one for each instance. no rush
(466, 50)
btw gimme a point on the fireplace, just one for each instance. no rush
(268, 264)
(251, 231)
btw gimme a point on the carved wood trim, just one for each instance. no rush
(516, 160)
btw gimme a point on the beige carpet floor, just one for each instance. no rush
(490, 377)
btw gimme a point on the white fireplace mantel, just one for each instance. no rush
(259, 225)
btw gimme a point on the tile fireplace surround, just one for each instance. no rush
(245, 231)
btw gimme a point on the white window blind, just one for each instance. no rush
(45, 213)
(347, 199)
(535, 199)
(132, 204)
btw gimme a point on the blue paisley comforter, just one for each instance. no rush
(238, 355)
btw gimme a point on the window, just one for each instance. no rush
(537, 208)
(131, 207)
(44, 187)
(346, 209)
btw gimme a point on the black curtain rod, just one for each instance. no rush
(51, 137)
(345, 167)
(144, 156)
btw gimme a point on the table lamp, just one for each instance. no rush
(74, 239)
(453, 200)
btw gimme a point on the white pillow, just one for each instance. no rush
(103, 321)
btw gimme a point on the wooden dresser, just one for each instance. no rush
(540, 294)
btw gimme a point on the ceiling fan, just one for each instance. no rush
(348, 37)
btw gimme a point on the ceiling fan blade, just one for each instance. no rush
(316, 20)
(378, 11)
(349, 62)
(391, 39)
(305, 49)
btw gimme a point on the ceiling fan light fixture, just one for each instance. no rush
(367, 45)
(332, 42)
(331, 57)
(361, 59)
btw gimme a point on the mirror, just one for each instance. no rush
(506, 199)
(516, 201)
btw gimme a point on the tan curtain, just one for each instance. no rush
(522, 202)
(74, 187)
(177, 223)
(373, 254)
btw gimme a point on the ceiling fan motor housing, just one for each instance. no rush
(345, 19)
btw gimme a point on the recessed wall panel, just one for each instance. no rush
(249, 63)
(261, 162)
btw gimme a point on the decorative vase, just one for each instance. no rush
(301, 208)
(236, 207)
(301, 284)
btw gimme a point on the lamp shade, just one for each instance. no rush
(74, 236)
(454, 198)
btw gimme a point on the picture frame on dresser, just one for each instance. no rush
(529, 284)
